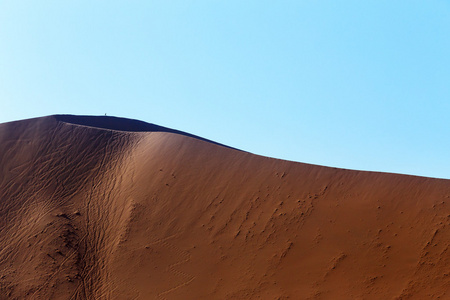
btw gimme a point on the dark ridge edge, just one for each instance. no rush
(124, 124)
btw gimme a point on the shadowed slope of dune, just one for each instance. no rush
(122, 209)
(122, 124)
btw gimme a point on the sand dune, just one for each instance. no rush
(110, 208)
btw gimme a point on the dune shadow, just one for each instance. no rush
(124, 124)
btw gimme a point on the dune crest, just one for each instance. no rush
(112, 208)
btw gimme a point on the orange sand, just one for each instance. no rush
(146, 212)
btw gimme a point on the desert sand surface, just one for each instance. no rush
(112, 208)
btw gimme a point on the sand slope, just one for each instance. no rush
(146, 212)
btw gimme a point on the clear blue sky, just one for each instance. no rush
(352, 84)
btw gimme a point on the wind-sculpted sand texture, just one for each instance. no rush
(110, 208)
